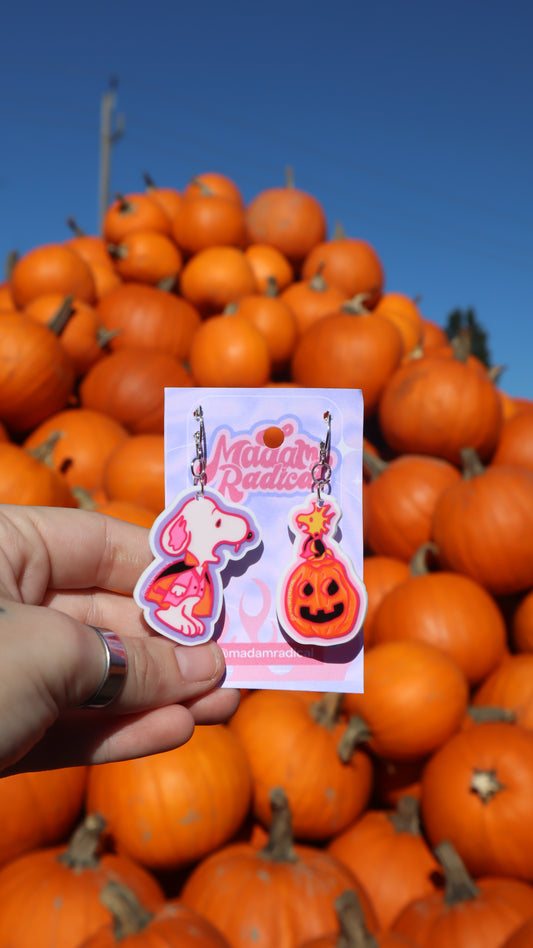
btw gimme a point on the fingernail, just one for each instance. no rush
(198, 662)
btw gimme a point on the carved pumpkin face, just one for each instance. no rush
(321, 602)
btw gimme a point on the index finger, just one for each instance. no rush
(68, 548)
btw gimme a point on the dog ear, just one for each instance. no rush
(175, 537)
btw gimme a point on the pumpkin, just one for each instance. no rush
(147, 256)
(134, 472)
(27, 479)
(510, 687)
(433, 335)
(229, 351)
(477, 792)
(208, 220)
(521, 623)
(168, 198)
(382, 573)
(172, 809)
(133, 925)
(388, 855)
(415, 699)
(353, 932)
(276, 322)
(348, 350)
(39, 809)
(515, 445)
(216, 276)
(129, 385)
(311, 300)
(321, 602)
(405, 314)
(121, 509)
(63, 884)
(466, 913)
(437, 406)
(77, 324)
(294, 743)
(483, 526)
(521, 938)
(133, 212)
(269, 266)
(91, 248)
(211, 183)
(445, 609)
(400, 500)
(282, 894)
(288, 218)
(148, 317)
(351, 264)
(51, 268)
(81, 441)
(36, 373)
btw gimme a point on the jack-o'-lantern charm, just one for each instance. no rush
(321, 599)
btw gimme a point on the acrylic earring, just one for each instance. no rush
(320, 599)
(192, 540)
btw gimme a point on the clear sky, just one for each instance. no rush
(411, 121)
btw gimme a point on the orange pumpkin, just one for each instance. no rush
(229, 351)
(129, 386)
(477, 792)
(39, 809)
(289, 219)
(438, 406)
(147, 256)
(311, 300)
(51, 268)
(388, 855)
(134, 472)
(415, 698)
(77, 325)
(466, 913)
(269, 266)
(131, 212)
(208, 220)
(213, 183)
(84, 441)
(277, 323)
(353, 933)
(168, 198)
(26, 479)
(294, 743)
(351, 264)
(381, 573)
(515, 445)
(172, 809)
(282, 894)
(63, 884)
(510, 687)
(216, 276)
(405, 314)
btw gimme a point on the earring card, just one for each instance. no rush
(292, 603)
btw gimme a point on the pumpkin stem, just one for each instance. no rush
(495, 372)
(462, 344)
(117, 251)
(84, 844)
(272, 288)
(230, 309)
(104, 336)
(289, 177)
(74, 227)
(471, 464)
(124, 206)
(326, 710)
(374, 464)
(62, 315)
(203, 188)
(279, 847)
(406, 818)
(484, 713)
(43, 452)
(83, 498)
(148, 180)
(129, 916)
(317, 281)
(166, 283)
(459, 885)
(357, 732)
(355, 306)
(486, 784)
(338, 231)
(353, 931)
(419, 562)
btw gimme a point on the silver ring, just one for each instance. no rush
(116, 666)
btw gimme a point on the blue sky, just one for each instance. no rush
(410, 121)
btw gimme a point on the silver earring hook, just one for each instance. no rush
(321, 471)
(198, 463)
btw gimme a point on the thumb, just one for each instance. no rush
(53, 664)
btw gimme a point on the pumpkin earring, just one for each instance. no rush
(181, 592)
(321, 599)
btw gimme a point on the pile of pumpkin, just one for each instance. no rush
(400, 818)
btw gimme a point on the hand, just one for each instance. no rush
(62, 571)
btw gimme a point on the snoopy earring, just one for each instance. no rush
(321, 600)
(192, 540)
